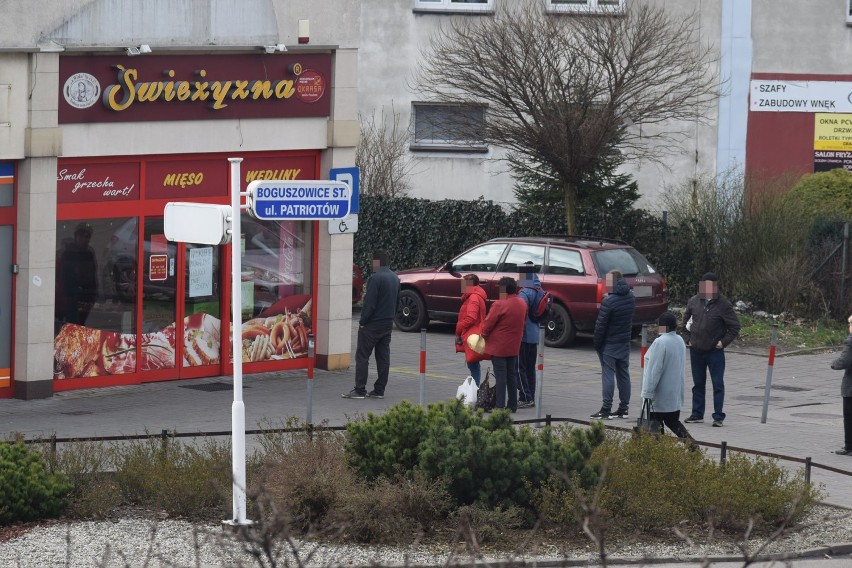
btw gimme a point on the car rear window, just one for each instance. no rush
(626, 260)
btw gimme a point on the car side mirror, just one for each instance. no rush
(451, 269)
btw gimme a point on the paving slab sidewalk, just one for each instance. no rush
(804, 415)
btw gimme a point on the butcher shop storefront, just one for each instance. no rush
(132, 306)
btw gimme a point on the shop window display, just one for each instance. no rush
(276, 294)
(95, 295)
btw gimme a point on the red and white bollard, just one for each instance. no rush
(768, 388)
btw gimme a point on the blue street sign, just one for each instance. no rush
(352, 176)
(271, 200)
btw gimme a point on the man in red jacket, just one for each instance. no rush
(503, 330)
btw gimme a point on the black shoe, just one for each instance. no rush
(620, 413)
(374, 394)
(354, 393)
(844, 452)
(526, 404)
(600, 414)
(717, 424)
(693, 419)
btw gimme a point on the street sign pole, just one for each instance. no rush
(238, 410)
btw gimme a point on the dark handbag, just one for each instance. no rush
(486, 397)
(645, 424)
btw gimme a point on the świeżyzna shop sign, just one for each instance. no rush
(111, 88)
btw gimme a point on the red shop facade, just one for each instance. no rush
(133, 307)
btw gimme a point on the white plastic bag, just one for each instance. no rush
(467, 392)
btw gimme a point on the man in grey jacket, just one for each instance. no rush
(662, 381)
(374, 328)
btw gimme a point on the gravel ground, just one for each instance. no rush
(140, 541)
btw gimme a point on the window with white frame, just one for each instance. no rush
(454, 5)
(449, 127)
(586, 6)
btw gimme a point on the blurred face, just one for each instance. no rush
(662, 329)
(525, 279)
(503, 293)
(376, 264)
(610, 283)
(708, 289)
(465, 284)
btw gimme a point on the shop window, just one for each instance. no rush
(454, 5)
(587, 6)
(448, 127)
(276, 293)
(96, 266)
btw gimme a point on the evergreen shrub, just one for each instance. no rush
(483, 458)
(387, 444)
(27, 490)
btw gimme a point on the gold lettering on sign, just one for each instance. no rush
(252, 175)
(183, 179)
(129, 90)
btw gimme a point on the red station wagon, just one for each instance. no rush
(571, 268)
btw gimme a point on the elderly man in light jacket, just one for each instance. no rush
(662, 382)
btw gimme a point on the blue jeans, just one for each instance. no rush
(505, 378)
(701, 361)
(615, 370)
(475, 371)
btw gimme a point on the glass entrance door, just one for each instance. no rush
(181, 312)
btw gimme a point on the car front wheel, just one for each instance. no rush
(410, 312)
(559, 330)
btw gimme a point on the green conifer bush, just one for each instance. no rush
(27, 490)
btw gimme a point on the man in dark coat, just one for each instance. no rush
(612, 342)
(711, 325)
(844, 363)
(374, 328)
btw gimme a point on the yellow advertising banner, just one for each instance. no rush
(832, 131)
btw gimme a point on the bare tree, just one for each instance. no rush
(562, 90)
(382, 155)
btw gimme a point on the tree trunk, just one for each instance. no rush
(570, 199)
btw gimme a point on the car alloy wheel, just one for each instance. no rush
(410, 311)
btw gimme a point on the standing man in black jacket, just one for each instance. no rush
(711, 325)
(374, 328)
(612, 342)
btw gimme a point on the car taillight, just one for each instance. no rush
(665, 289)
(600, 292)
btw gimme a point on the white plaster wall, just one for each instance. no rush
(801, 36)
(392, 35)
(13, 105)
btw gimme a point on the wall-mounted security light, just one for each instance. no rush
(144, 48)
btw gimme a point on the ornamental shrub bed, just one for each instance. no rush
(442, 473)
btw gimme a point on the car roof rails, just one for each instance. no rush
(586, 238)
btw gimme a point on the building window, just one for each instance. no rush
(849, 13)
(586, 6)
(448, 127)
(453, 5)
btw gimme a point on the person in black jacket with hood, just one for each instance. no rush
(374, 328)
(612, 342)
